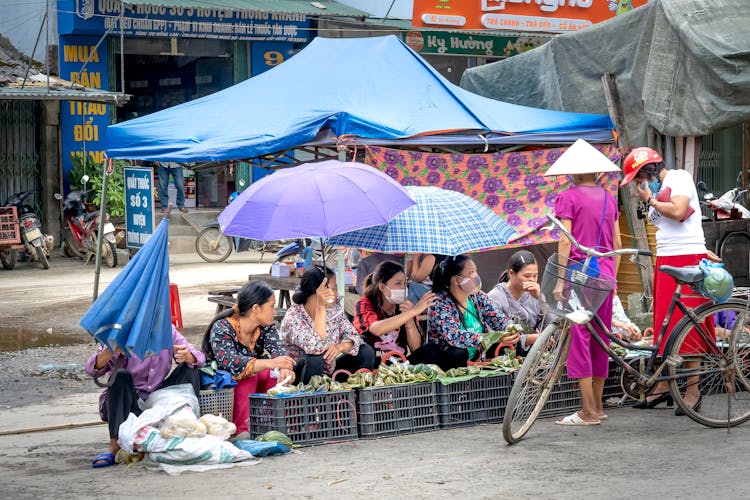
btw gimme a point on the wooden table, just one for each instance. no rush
(283, 285)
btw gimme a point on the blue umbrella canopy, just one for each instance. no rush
(315, 200)
(133, 313)
(442, 222)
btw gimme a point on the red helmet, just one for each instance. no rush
(637, 159)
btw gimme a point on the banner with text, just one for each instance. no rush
(83, 125)
(453, 43)
(511, 184)
(98, 16)
(550, 16)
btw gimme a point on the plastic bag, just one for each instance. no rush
(182, 423)
(717, 283)
(577, 273)
(204, 450)
(261, 448)
(218, 426)
(174, 396)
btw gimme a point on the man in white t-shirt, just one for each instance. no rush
(674, 209)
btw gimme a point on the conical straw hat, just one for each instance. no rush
(582, 158)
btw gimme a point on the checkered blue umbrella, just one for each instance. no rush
(442, 222)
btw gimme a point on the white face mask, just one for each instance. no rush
(397, 295)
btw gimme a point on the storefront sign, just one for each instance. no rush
(83, 125)
(452, 43)
(139, 205)
(266, 55)
(96, 16)
(552, 16)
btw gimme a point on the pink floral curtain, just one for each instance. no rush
(511, 184)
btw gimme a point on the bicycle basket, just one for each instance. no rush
(580, 295)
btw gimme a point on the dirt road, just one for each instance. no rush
(634, 454)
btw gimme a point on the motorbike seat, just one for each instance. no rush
(90, 215)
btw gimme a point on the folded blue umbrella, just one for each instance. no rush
(133, 313)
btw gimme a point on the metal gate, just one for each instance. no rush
(21, 150)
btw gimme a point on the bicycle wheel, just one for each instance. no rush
(535, 380)
(721, 370)
(212, 245)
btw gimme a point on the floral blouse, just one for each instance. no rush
(299, 337)
(445, 327)
(237, 355)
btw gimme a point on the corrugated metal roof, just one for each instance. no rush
(62, 93)
(309, 8)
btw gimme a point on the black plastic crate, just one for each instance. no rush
(308, 419)
(397, 409)
(565, 396)
(475, 401)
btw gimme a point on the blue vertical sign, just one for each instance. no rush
(139, 205)
(83, 125)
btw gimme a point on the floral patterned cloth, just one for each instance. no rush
(297, 333)
(444, 325)
(511, 184)
(237, 357)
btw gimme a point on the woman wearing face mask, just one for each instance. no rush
(461, 313)
(517, 296)
(317, 334)
(387, 320)
(674, 208)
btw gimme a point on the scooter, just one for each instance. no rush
(80, 235)
(36, 245)
(308, 251)
(214, 246)
(727, 206)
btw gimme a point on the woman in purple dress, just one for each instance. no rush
(589, 212)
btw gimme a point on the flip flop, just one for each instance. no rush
(575, 419)
(103, 460)
(603, 417)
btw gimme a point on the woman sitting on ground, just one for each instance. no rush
(517, 296)
(388, 321)
(243, 340)
(317, 334)
(462, 312)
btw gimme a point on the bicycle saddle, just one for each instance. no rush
(685, 275)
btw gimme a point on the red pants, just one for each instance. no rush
(259, 383)
(664, 288)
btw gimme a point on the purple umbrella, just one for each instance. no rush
(315, 200)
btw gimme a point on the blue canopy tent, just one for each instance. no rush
(373, 90)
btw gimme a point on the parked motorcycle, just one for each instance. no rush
(727, 206)
(308, 251)
(80, 235)
(214, 246)
(36, 245)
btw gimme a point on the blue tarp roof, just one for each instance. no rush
(373, 88)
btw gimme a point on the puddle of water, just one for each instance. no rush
(16, 339)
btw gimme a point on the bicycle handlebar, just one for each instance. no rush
(590, 252)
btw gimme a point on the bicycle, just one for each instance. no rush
(718, 359)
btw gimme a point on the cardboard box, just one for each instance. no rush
(279, 270)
